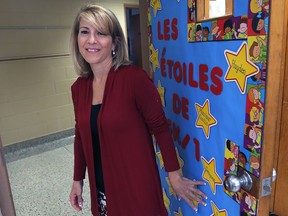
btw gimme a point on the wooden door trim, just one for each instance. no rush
(280, 187)
(274, 92)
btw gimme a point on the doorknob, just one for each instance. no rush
(243, 180)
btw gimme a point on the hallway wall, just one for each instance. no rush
(36, 70)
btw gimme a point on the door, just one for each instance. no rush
(219, 81)
(133, 34)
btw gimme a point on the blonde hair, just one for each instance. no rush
(254, 6)
(252, 113)
(106, 22)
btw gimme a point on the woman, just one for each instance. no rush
(117, 108)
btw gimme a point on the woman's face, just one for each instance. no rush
(95, 47)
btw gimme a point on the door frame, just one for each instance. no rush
(273, 101)
(280, 187)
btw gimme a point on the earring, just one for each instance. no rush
(113, 53)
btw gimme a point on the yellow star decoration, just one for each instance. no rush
(205, 119)
(161, 162)
(156, 4)
(179, 213)
(154, 58)
(171, 191)
(166, 201)
(180, 161)
(216, 211)
(210, 174)
(161, 92)
(240, 67)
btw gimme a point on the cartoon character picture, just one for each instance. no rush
(256, 116)
(215, 31)
(191, 32)
(232, 147)
(231, 167)
(199, 33)
(191, 10)
(242, 161)
(259, 5)
(229, 31)
(235, 196)
(254, 99)
(254, 164)
(248, 204)
(258, 50)
(242, 30)
(260, 23)
(254, 135)
(206, 33)
(260, 77)
(255, 6)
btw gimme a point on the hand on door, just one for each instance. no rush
(187, 189)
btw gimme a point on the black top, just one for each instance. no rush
(96, 147)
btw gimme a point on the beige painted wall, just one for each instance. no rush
(35, 97)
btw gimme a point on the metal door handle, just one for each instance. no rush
(243, 180)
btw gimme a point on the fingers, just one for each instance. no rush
(191, 194)
(76, 202)
(192, 185)
(197, 195)
(195, 190)
(191, 204)
(193, 201)
(76, 199)
(193, 182)
(188, 190)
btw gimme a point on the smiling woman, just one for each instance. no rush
(115, 145)
(36, 73)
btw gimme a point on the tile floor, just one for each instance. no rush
(41, 181)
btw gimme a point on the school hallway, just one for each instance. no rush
(41, 179)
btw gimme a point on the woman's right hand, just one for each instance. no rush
(76, 198)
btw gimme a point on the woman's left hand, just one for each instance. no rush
(187, 189)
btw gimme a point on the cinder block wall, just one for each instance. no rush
(36, 70)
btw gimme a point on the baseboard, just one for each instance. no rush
(37, 145)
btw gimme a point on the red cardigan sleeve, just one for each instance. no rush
(149, 103)
(79, 158)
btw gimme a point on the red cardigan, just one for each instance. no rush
(131, 111)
